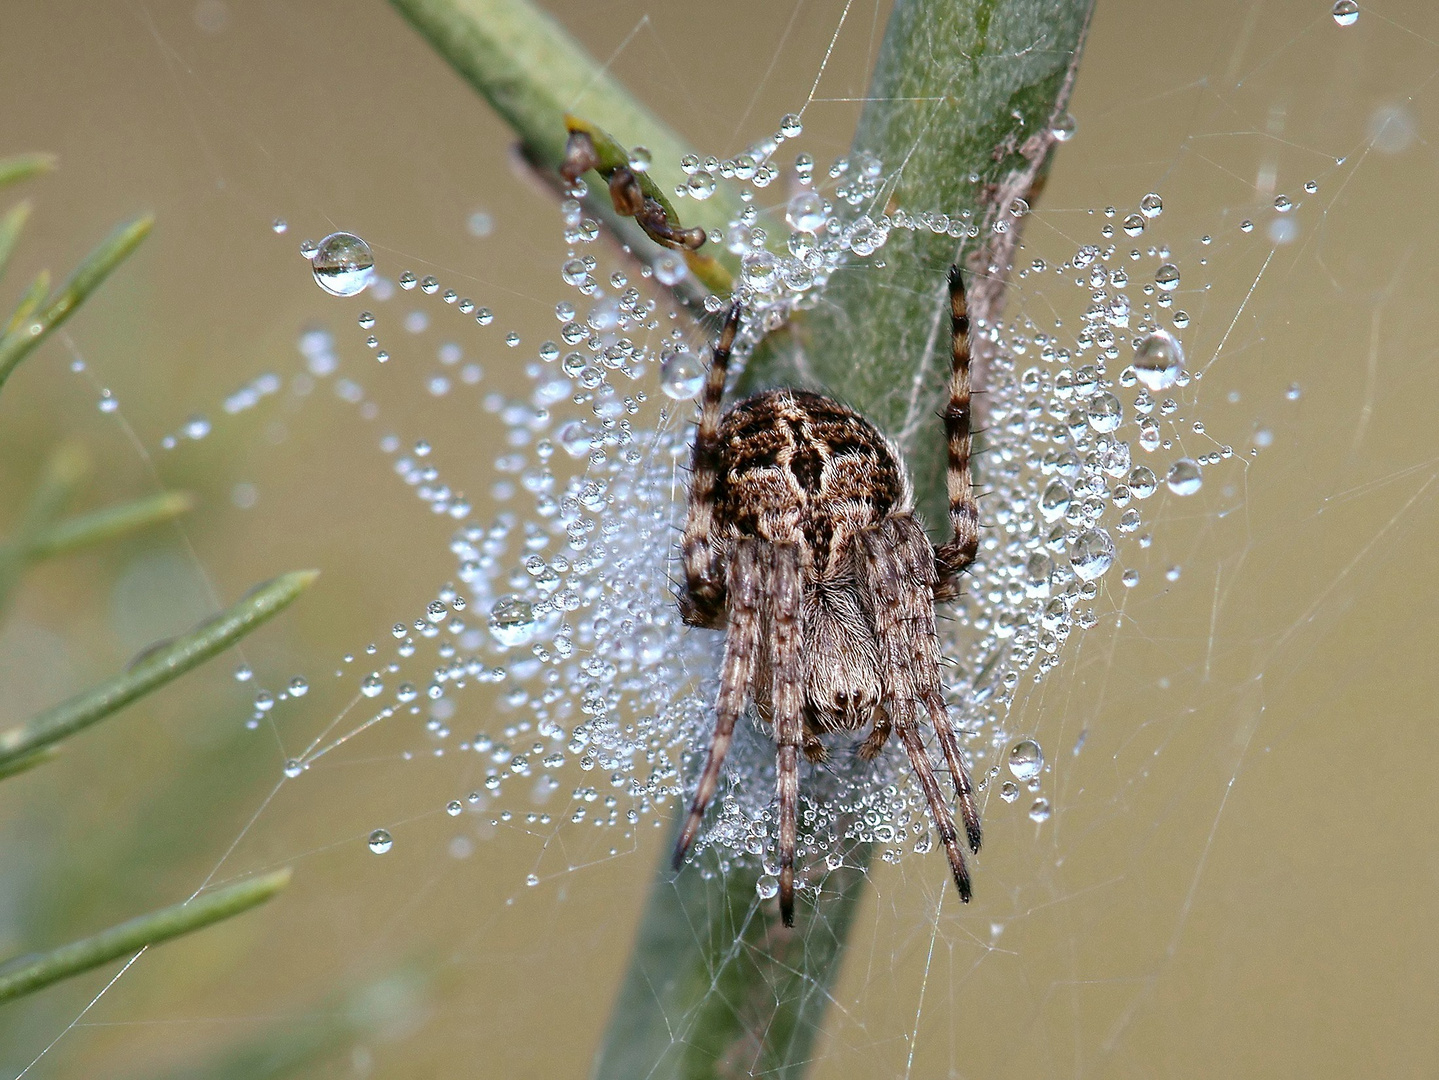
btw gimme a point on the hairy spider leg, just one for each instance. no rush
(953, 556)
(786, 590)
(747, 572)
(703, 602)
(899, 582)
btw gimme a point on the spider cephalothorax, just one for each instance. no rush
(802, 545)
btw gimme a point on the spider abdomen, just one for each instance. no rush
(799, 467)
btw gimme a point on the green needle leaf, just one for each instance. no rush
(26, 974)
(17, 345)
(155, 666)
(23, 166)
(31, 300)
(26, 762)
(101, 525)
(10, 226)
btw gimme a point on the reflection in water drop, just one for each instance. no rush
(1184, 477)
(682, 375)
(1092, 554)
(381, 841)
(1026, 760)
(1158, 359)
(1346, 12)
(343, 265)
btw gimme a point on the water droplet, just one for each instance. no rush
(1151, 205)
(1092, 554)
(1283, 204)
(701, 185)
(243, 673)
(1311, 186)
(408, 280)
(294, 767)
(197, 427)
(669, 268)
(1105, 413)
(308, 248)
(1064, 128)
(1009, 791)
(1346, 12)
(343, 264)
(1167, 277)
(767, 887)
(429, 284)
(1055, 501)
(1142, 482)
(372, 685)
(790, 126)
(1039, 812)
(381, 841)
(1246, 225)
(532, 880)
(1026, 759)
(576, 439)
(1292, 394)
(1184, 477)
(805, 212)
(512, 621)
(1133, 225)
(1130, 579)
(454, 807)
(640, 159)
(1158, 360)
(299, 687)
(682, 375)
(279, 225)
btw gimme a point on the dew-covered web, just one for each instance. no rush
(476, 758)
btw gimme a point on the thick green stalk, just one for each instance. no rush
(113, 250)
(26, 974)
(156, 666)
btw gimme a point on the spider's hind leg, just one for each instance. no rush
(952, 557)
(786, 590)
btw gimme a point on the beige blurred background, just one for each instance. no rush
(1239, 876)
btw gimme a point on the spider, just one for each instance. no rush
(802, 545)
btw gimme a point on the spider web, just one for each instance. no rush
(1199, 864)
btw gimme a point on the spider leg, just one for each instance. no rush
(938, 809)
(899, 583)
(736, 674)
(786, 591)
(704, 598)
(953, 556)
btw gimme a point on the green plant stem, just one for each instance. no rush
(534, 73)
(154, 667)
(26, 974)
(23, 166)
(98, 526)
(20, 342)
(29, 301)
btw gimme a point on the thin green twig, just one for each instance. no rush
(155, 666)
(20, 342)
(26, 974)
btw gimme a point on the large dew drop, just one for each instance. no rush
(806, 212)
(343, 265)
(682, 375)
(1091, 554)
(1026, 760)
(1346, 12)
(512, 621)
(1158, 360)
(381, 841)
(1184, 477)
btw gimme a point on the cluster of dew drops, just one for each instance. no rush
(573, 579)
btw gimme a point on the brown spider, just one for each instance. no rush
(802, 544)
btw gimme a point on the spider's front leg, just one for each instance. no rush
(955, 555)
(704, 601)
(747, 571)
